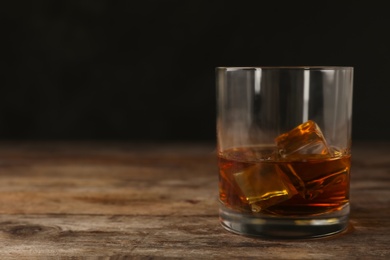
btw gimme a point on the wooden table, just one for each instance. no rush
(119, 200)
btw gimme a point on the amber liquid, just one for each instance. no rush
(318, 185)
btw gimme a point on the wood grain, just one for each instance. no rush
(145, 201)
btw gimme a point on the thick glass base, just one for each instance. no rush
(296, 227)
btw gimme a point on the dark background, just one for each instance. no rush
(144, 70)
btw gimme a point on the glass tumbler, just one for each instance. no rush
(284, 150)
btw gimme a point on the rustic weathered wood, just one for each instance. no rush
(116, 201)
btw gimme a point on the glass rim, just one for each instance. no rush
(227, 68)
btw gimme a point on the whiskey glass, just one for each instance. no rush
(284, 150)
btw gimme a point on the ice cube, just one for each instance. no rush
(312, 180)
(264, 185)
(304, 140)
(316, 187)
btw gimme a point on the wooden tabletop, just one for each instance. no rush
(121, 200)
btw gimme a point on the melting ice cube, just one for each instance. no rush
(305, 139)
(332, 174)
(264, 185)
